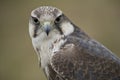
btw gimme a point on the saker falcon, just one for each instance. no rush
(66, 52)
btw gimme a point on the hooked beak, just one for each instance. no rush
(47, 27)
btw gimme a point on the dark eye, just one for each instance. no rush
(35, 20)
(58, 19)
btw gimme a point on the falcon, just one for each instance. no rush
(65, 52)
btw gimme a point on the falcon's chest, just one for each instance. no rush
(47, 47)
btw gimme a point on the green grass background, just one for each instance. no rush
(18, 61)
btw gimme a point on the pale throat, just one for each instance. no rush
(48, 47)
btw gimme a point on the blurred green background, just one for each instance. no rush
(18, 61)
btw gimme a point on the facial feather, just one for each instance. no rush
(67, 28)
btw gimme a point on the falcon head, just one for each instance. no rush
(47, 22)
(48, 27)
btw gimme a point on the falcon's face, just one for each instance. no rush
(48, 27)
(49, 22)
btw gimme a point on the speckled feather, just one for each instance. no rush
(46, 10)
(85, 60)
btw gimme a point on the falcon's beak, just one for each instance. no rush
(47, 27)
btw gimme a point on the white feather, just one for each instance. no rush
(47, 46)
(67, 28)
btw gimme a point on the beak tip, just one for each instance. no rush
(47, 31)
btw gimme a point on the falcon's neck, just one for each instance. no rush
(46, 48)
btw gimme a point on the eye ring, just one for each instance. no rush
(35, 20)
(58, 19)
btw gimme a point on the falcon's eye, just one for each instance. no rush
(58, 19)
(35, 20)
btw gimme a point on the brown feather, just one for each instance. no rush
(85, 60)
